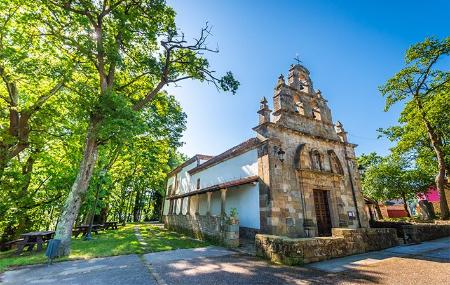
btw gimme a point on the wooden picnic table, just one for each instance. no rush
(110, 225)
(83, 229)
(34, 238)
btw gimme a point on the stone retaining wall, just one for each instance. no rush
(421, 232)
(204, 227)
(343, 242)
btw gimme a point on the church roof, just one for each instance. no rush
(216, 187)
(193, 159)
(230, 153)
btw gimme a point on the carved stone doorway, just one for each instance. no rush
(322, 212)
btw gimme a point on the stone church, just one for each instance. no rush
(297, 177)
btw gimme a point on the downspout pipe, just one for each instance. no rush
(352, 186)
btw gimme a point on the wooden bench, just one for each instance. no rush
(34, 238)
(110, 225)
(83, 229)
(9, 244)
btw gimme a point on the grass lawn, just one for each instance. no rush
(108, 243)
(160, 239)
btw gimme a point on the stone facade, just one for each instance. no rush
(204, 227)
(300, 173)
(343, 242)
(422, 232)
(317, 157)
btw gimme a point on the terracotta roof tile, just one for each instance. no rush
(232, 152)
(196, 157)
(217, 187)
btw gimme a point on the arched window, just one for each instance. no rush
(316, 161)
(335, 164)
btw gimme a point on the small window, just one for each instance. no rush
(198, 183)
(299, 108)
(316, 114)
(169, 189)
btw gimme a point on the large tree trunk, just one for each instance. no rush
(73, 202)
(136, 208)
(436, 143)
(405, 205)
(426, 210)
(440, 185)
(379, 214)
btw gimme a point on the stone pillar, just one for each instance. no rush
(188, 212)
(181, 206)
(223, 197)
(208, 208)
(197, 207)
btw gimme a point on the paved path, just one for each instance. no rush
(438, 249)
(426, 263)
(125, 269)
(186, 254)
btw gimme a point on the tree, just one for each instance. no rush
(35, 109)
(365, 162)
(140, 165)
(392, 177)
(421, 82)
(31, 74)
(123, 68)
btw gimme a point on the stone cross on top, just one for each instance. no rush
(297, 59)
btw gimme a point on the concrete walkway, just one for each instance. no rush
(437, 249)
(428, 262)
(125, 269)
(186, 254)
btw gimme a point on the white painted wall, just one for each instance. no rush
(244, 198)
(216, 203)
(170, 181)
(241, 166)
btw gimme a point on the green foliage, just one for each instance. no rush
(234, 213)
(119, 121)
(423, 133)
(136, 169)
(391, 177)
(65, 65)
(228, 83)
(109, 243)
(160, 239)
(421, 76)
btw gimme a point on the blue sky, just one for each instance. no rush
(350, 48)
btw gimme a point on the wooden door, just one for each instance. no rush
(322, 213)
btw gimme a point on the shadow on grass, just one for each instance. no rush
(106, 243)
(160, 239)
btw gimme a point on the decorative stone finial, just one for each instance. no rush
(264, 111)
(341, 132)
(280, 80)
(263, 104)
(319, 93)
